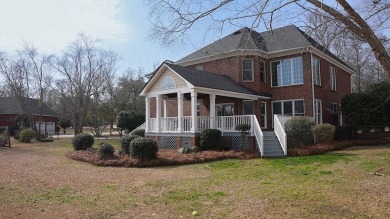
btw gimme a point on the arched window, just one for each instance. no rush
(167, 83)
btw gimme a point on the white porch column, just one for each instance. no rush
(165, 109)
(158, 112)
(212, 111)
(194, 119)
(180, 111)
(147, 113)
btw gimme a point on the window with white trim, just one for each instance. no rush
(262, 72)
(198, 109)
(247, 70)
(289, 107)
(318, 111)
(167, 83)
(333, 80)
(287, 72)
(263, 115)
(315, 65)
(248, 107)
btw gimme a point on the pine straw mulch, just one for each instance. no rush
(336, 145)
(164, 158)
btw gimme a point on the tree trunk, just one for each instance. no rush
(359, 27)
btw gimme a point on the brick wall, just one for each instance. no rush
(232, 67)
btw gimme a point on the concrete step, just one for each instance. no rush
(272, 146)
(273, 155)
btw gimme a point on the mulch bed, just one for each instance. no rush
(164, 158)
(335, 145)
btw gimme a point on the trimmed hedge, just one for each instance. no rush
(82, 141)
(298, 130)
(323, 133)
(143, 148)
(27, 135)
(125, 143)
(209, 139)
(139, 132)
(106, 150)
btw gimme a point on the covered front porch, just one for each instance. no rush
(181, 102)
(194, 116)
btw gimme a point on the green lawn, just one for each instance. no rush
(333, 185)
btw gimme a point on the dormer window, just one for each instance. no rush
(247, 70)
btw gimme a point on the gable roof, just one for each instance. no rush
(205, 79)
(202, 79)
(284, 38)
(10, 105)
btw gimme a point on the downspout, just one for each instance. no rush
(312, 84)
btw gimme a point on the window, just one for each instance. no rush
(287, 72)
(262, 72)
(333, 108)
(167, 83)
(247, 107)
(289, 107)
(263, 115)
(316, 71)
(226, 109)
(247, 70)
(198, 109)
(318, 111)
(333, 81)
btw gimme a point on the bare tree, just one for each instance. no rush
(348, 47)
(173, 18)
(40, 71)
(84, 68)
(16, 70)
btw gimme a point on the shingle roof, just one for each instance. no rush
(10, 105)
(211, 80)
(284, 38)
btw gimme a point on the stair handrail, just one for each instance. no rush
(280, 133)
(258, 134)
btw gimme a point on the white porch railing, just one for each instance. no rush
(203, 123)
(279, 122)
(152, 126)
(169, 124)
(258, 134)
(229, 123)
(186, 124)
(223, 123)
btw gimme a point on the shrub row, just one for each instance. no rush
(301, 130)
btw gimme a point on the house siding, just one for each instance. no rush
(179, 81)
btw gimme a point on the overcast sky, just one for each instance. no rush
(51, 25)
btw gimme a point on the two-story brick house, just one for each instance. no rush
(245, 77)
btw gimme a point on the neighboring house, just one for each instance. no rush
(246, 77)
(10, 109)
